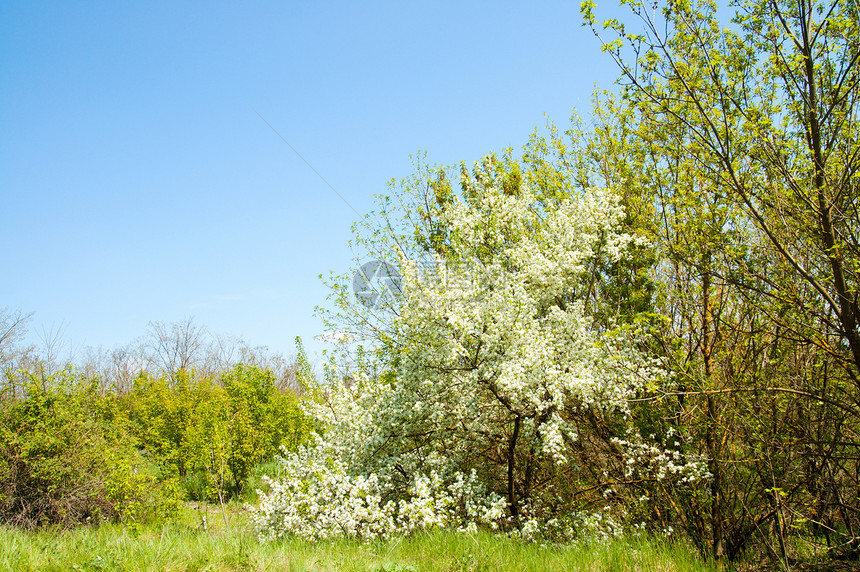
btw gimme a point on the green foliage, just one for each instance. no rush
(262, 420)
(163, 416)
(66, 457)
(743, 132)
(211, 434)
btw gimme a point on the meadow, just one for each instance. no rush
(183, 544)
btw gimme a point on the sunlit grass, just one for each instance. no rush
(184, 545)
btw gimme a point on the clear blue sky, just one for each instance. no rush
(137, 182)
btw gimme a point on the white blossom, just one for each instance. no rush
(496, 337)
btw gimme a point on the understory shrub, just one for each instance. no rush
(66, 457)
(316, 498)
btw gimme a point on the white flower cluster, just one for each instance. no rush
(650, 461)
(514, 339)
(596, 526)
(316, 498)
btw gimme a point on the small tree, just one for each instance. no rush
(262, 419)
(211, 434)
(495, 375)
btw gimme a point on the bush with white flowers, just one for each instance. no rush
(494, 372)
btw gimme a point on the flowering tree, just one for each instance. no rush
(494, 373)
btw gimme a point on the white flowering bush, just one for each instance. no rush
(345, 485)
(493, 374)
(316, 498)
(599, 525)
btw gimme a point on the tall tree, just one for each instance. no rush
(770, 107)
(752, 126)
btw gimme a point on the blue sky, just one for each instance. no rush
(138, 183)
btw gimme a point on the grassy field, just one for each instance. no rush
(185, 545)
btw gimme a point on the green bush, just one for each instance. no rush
(165, 413)
(262, 419)
(66, 457)
(211, 435)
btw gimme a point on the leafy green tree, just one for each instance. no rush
(769, 107)
(750, 129)
(165, 410)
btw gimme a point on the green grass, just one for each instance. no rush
(184, 545)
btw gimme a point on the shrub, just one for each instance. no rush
(492, 380)
(262, 419)
(211, 434)
(66, 457)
